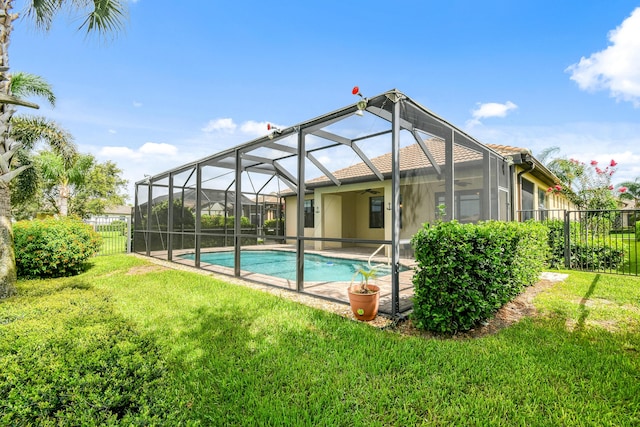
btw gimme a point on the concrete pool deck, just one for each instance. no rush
(334, 291)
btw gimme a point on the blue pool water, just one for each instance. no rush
(317, 268)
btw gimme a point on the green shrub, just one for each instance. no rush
(271, 224)
(71, 360)
(53, 247)
(638, 231)
(595, 256)
(115, 226)
(585, 252)
(216, 221)
(466, 272)
(556, 243)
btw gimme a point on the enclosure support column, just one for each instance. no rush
(149, 203)
(237, 229)
(300, 219)
(488, 188)
(170, 219)
(395, 212)
(198, 213)
(449, 176)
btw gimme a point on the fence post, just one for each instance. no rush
(567, 239)
(128, 244)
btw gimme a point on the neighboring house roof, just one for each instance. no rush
(118, 210)
(208, 197)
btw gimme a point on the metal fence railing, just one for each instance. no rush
(115, 233)
(592, 240)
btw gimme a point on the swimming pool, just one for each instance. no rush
(317, 268)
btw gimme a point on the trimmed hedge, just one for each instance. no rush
(594, 255)
(53, 247)
(67, 358)
(466, 272)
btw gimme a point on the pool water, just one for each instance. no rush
(317, 268)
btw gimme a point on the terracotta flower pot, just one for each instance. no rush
(364, 306)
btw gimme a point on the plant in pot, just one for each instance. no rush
(363, 297)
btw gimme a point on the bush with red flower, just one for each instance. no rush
(586, 186)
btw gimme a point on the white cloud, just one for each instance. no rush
(254, 128)
(112, 131)
(616, 68)
(584, 141)
(116, 152)
(251, 128)
(158, 148)
(490, 109)
(225, 125)
(137, 104)
(147, 149)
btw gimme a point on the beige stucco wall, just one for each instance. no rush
(344, 211)
(551, 201)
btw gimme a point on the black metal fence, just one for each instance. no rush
(592, 240)
(115, 232)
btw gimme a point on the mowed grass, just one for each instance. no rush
(231, 355)
(113, 242)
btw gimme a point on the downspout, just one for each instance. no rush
(526, 159)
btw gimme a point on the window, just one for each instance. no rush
(542, 197)
(542, 204)
(308, 214)
(527, 207)
(376, 212)
(468, 206)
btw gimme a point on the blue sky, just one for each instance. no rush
(182, 82)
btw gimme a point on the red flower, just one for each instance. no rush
(558, 187)
(599, 171)
(594, 162)
(622, 189)
(549, 190)
(613, 163)
(611, 187)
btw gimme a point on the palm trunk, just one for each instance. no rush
(64, 199)
(7, 254)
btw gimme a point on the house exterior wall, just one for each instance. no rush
(541, 198)
(343, 211)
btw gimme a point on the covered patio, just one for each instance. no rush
(346, 189)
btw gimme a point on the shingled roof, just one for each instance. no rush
(411, 158)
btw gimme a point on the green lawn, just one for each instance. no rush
(113, 242)
(628, 243)
(135, 344)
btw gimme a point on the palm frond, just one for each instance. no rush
(25, 184)
(99, 16)
(29, 130)
(545, 155)
(42, 12)
(107, 16)
(26, 84)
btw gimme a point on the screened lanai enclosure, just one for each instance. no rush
(307, 206)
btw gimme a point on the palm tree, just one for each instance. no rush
(16, 172)
(632, 191)
(101, 17)
(60, 177)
